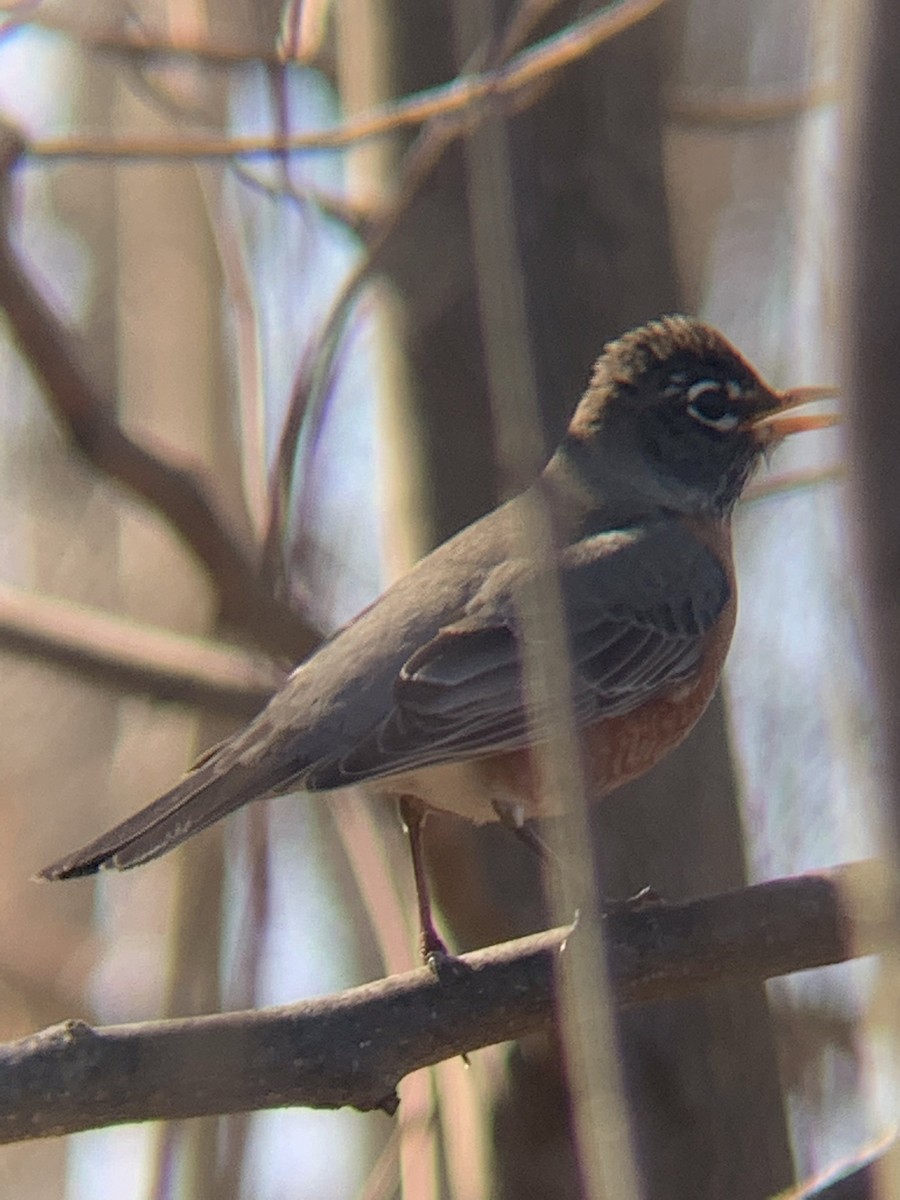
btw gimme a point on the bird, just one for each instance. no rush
(421, 698)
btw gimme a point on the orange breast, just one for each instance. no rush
(622, 748)
(619, 749)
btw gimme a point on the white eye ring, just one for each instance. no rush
(726, 422)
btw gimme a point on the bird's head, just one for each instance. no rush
(680, 418)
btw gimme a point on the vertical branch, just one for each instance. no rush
(587, 1025)
(873, 335)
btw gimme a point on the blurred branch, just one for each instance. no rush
(852, 1179)
(462, 95)
(134, 657)
(313, 377)
(357, 218)
(857, 1184)
(161, 97)
(732, 108)
(174, 489)
(793, 481)
(354, 1048)
(588, 1036)
(137, 44)
(871, 329)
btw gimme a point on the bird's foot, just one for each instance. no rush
(433, 950)
(443, 965)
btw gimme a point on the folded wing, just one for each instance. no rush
(634, 631)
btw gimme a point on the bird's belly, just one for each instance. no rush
(458, 787)
(616, 750)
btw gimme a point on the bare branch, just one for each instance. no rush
(857, 1183)
(352, 1049)
(738, 108)
(138, 44)
(134, 657)
(175, 489)
(854, 1178)
(314, 375)
(465, 93)
(793, 481)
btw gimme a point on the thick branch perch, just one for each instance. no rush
(353, 1049)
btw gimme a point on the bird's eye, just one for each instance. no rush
(712, 405)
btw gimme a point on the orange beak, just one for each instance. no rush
(780, 422)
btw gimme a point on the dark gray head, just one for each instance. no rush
(679, 418)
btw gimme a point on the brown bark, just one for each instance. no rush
(354, 1048)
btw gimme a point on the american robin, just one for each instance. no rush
(421, 698)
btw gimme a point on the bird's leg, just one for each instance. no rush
(510, 817)
(412, 814)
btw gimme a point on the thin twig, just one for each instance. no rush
(314, 375)
(793, 481)
(734, 109)
(466, 92)
(138, 44)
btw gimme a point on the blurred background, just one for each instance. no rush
(306, 330)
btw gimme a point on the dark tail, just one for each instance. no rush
(208, 793)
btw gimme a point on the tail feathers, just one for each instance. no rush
(202, 797)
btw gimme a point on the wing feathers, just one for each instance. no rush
(636, 607)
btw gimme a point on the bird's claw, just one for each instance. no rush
(443, 965)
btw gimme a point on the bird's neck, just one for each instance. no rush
(618, 490)
(601, 498)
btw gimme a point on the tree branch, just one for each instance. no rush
(134, 657)
(352, 1049)
(738, 108)
(463, 94)
(175, 490)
